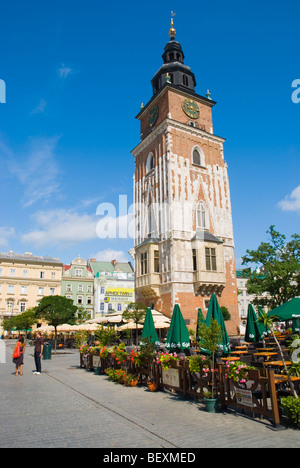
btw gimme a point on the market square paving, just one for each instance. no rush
(66, 406)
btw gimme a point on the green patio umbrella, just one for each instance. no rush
(178, 338)
(288, 311)
(254, 330)
(214, 312)
(295, 326)
(149, 328)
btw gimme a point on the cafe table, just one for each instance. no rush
(266, 355)
(230, 359)
(262, 350)
(241, 347)
(280, 378)
(240, 352)
(278, 363)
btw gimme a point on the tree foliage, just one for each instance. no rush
(57, 310)
(279, 276)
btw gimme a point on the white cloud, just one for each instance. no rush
(61, 227)
(291, 202)
(40, 108)
(37, 170)
(64, 71)
(6, 234)
(108, 255)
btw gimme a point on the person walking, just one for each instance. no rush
(38, 351)
(20, 350)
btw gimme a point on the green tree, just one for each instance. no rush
(226, 313)
(136, 311)
(25, 320)
(57, 310)
(268, 323)
(279, 279)
(82, 315)
(211, 337)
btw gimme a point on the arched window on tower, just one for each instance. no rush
(150, 162)
(201, 216)
(198, 157)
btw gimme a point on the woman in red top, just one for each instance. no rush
(20, 360)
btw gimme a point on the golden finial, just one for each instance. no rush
(172, 30)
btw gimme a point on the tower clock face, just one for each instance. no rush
(191, 108)
(153, 114)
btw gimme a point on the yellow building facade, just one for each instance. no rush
(25, 279)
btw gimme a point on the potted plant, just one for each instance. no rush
(119, 353)
(152, 385)
(291, 408)
(211, 337)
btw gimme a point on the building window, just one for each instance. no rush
(53, 275)
(25, 273)
(185, 80)
(119, 307)
(101, 305)
(42, 274)
(41, 291)
(23, 289)
(194, 260)
(102, 290)
(11, 289)
(89, 300)
(156, 261)
(12, 272)
(52, 291)
(144, 264)
(110, 306)
(0, 271)
(210, 258)
(150, 162)
(89, 289)
(79, 300)
(80, 288)
(198, 157)
(201, 216)
(22, 307)
(10, 307)
(78, 272)
(69, 288)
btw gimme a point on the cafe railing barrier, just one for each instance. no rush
(258, 395)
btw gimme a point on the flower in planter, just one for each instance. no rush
(165, 359)
(237, 371)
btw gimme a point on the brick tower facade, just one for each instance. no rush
(184, 248)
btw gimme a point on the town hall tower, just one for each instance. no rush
(184, 247)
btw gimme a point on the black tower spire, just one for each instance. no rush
(173, 69)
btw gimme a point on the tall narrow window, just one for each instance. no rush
(185, 80)
(156, 261)
(144, 264)
(210, 259)
(194, 260)
(201, 216)
(196, 158)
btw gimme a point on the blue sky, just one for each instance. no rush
(76, 73)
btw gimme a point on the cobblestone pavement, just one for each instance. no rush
(69, 407)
